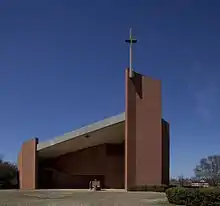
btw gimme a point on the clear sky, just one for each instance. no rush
(62, 66)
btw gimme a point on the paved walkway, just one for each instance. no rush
(80, 198)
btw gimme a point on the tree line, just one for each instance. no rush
(208, 170)
(8, 175)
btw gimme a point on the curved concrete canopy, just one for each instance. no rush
(110, 130)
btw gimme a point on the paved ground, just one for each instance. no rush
(81, 198)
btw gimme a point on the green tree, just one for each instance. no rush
(209, 169)
(8, 174)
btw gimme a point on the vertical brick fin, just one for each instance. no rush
(166, 152)
(143, 136)
(27, 165)
(130, 131)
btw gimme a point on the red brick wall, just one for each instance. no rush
(76, 167)
(114, 176)
(27, 165)
(143, 131)
(84, 162)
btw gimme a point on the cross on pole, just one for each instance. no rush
(131, 41)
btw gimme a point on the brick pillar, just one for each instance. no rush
(27, 165)
(143, 131)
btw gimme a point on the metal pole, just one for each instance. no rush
(130, 66)
(130, 41)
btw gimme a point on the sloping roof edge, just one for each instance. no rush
(82, 131)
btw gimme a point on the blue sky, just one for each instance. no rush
(62, 66)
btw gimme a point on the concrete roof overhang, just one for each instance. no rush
(110, 130)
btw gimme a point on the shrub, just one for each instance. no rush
(152, 188)
(210, 196)
(193, 196)
(176, 195)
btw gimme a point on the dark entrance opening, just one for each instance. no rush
(75, 170)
